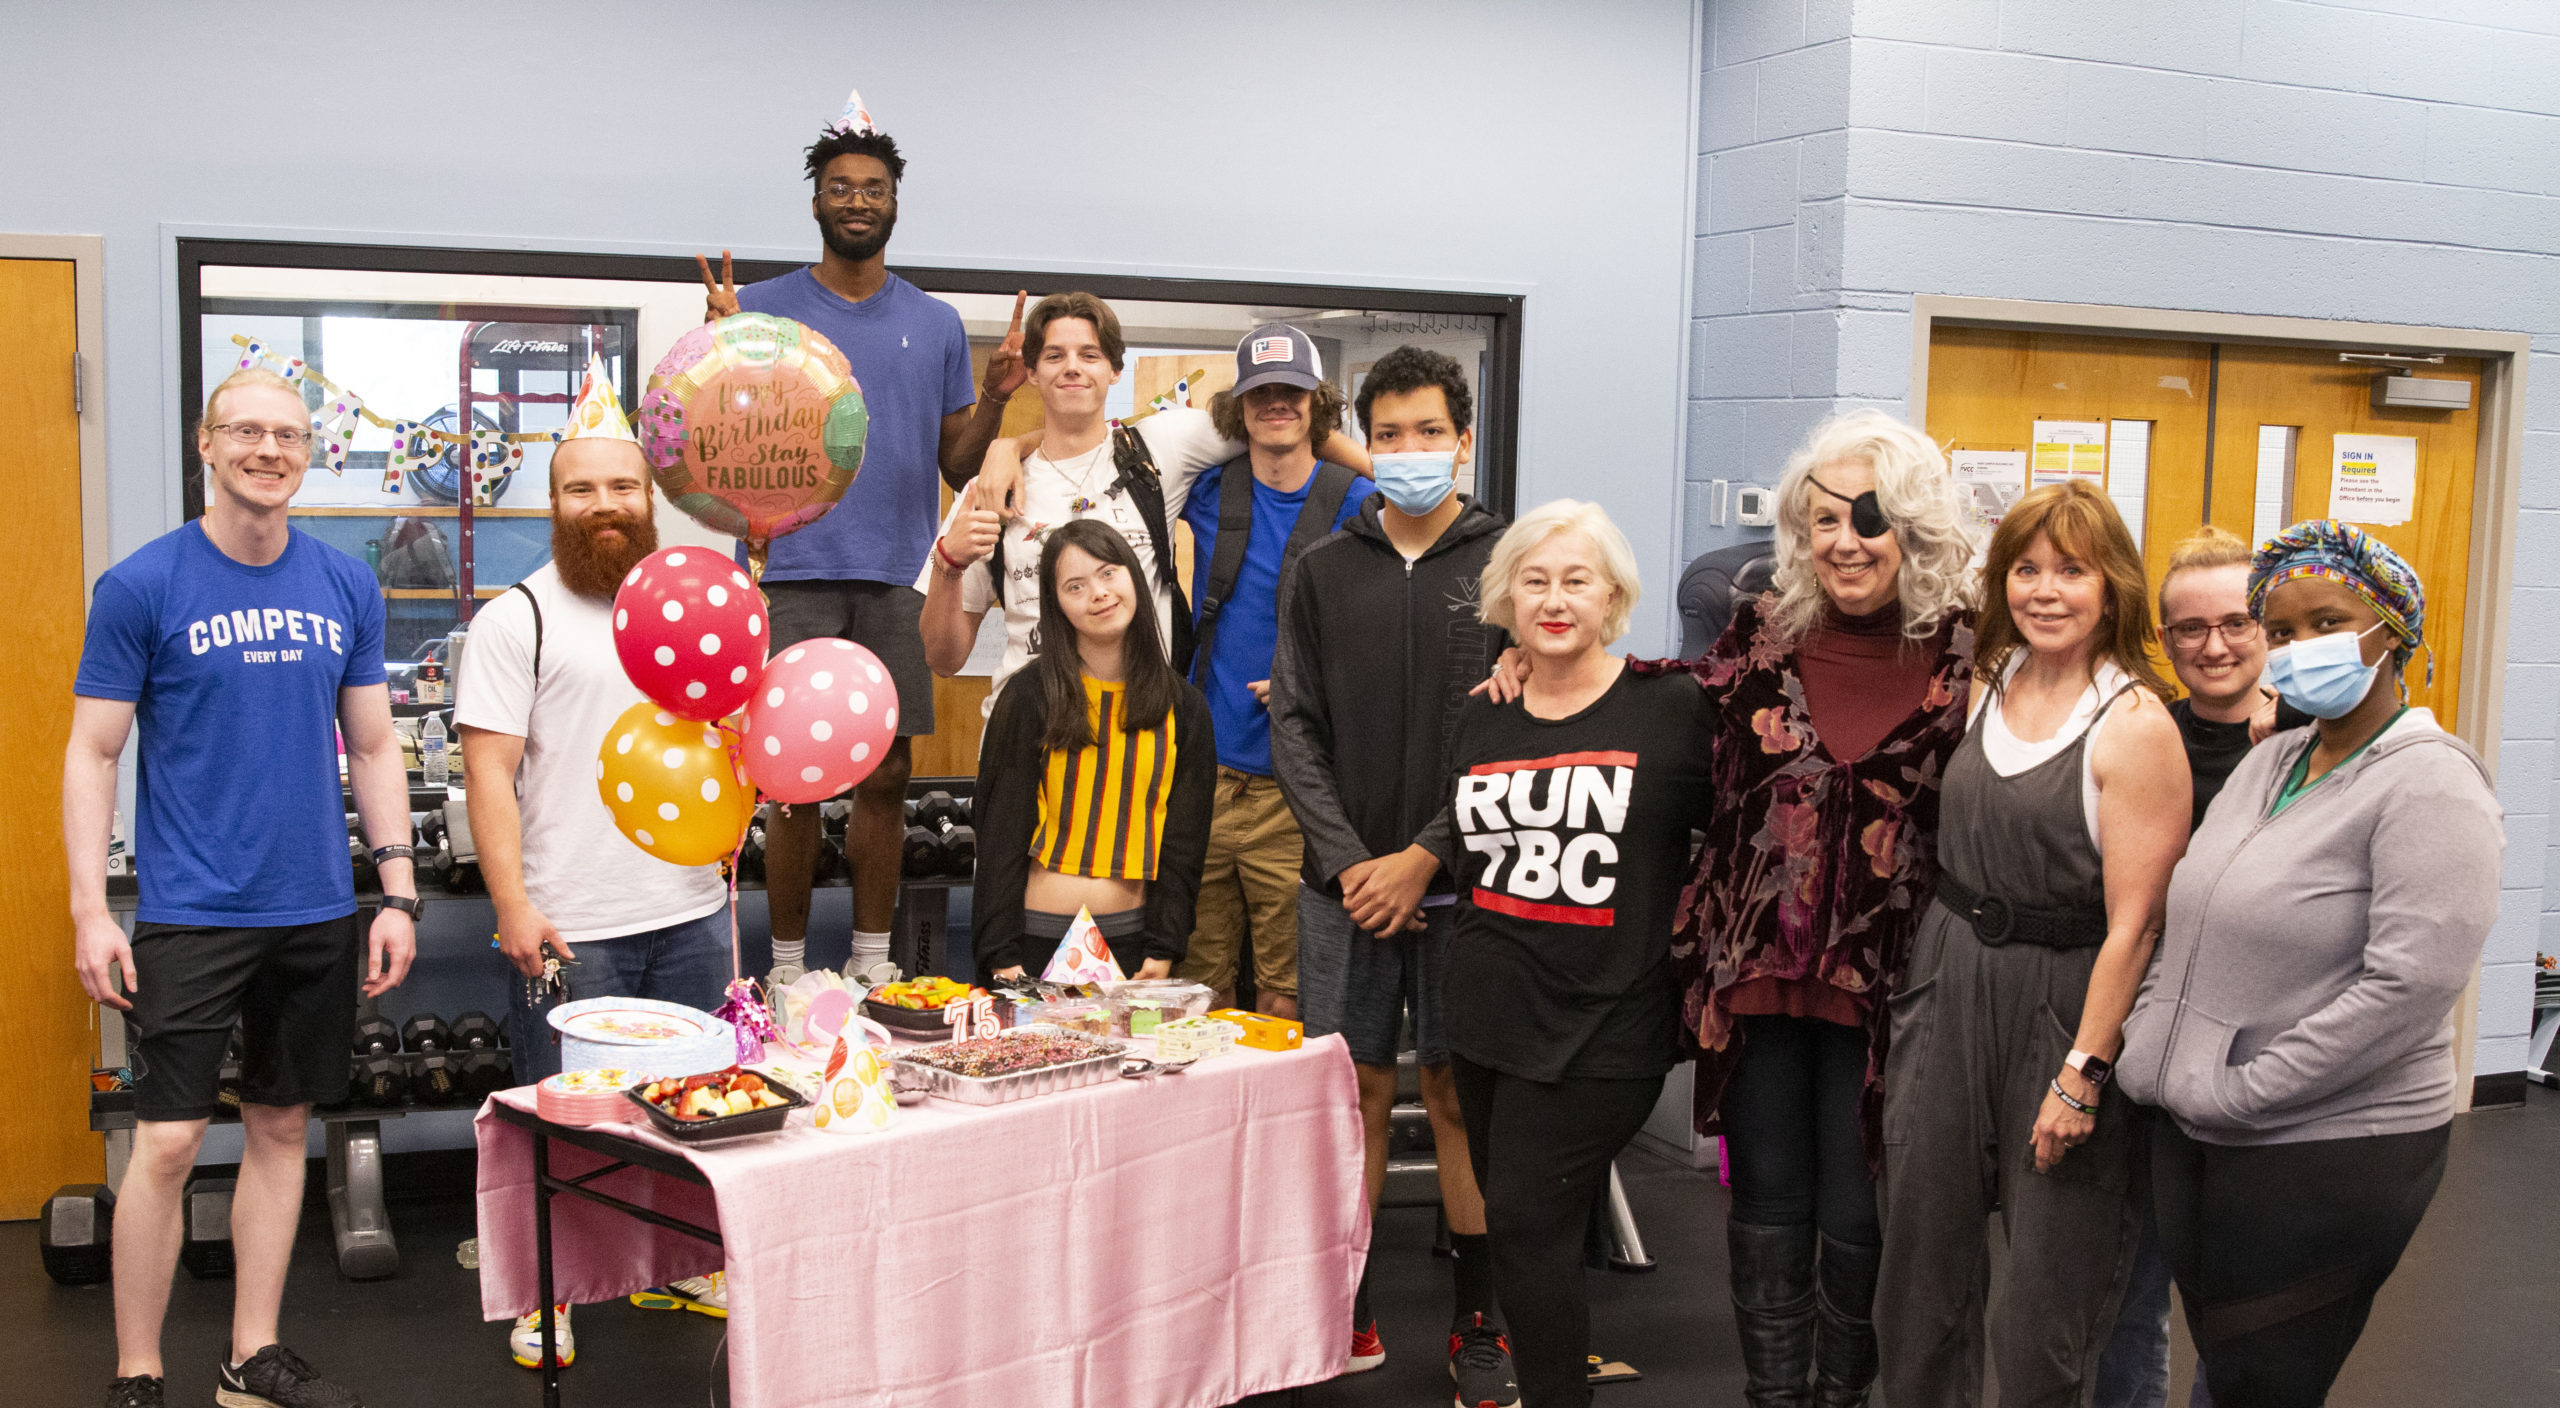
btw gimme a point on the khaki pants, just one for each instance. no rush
(1249, 886)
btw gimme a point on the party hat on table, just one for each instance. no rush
(1083, 958)
(598, 412)
(855, 1097)
(855, 117)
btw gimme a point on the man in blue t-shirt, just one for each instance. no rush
(244, 648)
(1281, 407)
(852, 573)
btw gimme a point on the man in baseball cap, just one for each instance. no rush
(1249, 519)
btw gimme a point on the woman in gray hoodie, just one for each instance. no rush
(2298, 1024)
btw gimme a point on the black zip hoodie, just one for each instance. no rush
(1376, 656)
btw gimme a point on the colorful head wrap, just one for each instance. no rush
(2344, 553)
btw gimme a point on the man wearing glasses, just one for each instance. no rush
(2218, 653)
(852, 573)
(243, 648)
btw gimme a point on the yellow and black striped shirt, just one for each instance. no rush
(1102, 807)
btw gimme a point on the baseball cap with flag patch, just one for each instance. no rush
(1277, 352)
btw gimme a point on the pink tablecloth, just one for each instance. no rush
(1183, 1241)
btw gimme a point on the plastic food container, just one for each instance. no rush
(648, 1038)
(764, 1121)
(916, 1024)
(1139, 1007)
(1195, 1039)
(1103, 1065)
(1089, 1015)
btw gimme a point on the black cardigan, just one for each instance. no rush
(1007, 807)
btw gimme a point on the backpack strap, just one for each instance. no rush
(1331, 485)
(536, 603)
(1145, 487)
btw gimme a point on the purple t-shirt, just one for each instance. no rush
(911, 356)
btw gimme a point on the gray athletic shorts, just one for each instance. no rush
(1353, 982)
(878, 616)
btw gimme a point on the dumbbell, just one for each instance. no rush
(432, 1073)
(206, 1216)
(76, 1233)
(937, 809)
(375, 1036)
(424, 1033)
(483, 1067)
(380, 1080)
(959, 850)
(834, 815)
(922, 854)
(367, 876)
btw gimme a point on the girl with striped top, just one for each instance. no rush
(1097, 775)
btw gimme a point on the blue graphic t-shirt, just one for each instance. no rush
(234, 672)
(911, 357)
(1249, 624)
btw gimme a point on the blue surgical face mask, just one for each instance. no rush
(2324, 676)
(1416, 481)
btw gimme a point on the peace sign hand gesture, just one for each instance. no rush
(1005, 372)
(720, 296)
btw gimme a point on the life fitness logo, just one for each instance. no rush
(1548, 828)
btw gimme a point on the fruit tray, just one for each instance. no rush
(1103, 1065)
(764, 1121)
(920, 1024)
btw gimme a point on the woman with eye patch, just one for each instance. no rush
(1835, 702)
(2298, 1028)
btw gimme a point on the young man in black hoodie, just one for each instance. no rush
(1379, 644)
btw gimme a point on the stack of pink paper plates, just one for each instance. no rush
(587, 1097)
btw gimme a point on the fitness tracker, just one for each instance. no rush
(2093, 1069)
(409, 905)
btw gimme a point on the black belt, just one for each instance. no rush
(1997, 922)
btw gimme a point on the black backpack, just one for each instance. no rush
(1139, 479)
(1332, 484)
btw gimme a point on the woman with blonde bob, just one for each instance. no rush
(1832, 706)
(2063, 811)
(1572, 806)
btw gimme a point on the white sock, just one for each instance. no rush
(867, 950)
(790, 955)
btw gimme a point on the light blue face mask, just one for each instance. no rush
(1416, 481)
(2325, 676)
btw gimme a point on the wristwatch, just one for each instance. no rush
(409, 905)
(2093, 1069)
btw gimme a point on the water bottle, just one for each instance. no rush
(431, 741)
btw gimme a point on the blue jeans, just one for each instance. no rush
(685, 963)
(2133, 1371)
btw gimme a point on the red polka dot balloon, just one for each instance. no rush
(690, 629)
(821, 717)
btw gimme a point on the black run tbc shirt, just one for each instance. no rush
(2214, 749)
(1573, 842)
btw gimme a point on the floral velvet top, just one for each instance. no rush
(1815, 869)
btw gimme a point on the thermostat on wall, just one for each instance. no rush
(1755, 507)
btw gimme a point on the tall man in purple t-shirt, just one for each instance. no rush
(852, 573)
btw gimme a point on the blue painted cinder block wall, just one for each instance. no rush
(2384, 160)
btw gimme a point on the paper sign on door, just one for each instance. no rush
(2070, 449)
(1987, 483)
(2374, 479)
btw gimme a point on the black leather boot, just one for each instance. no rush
(1773, 1308)
(1844, 1359)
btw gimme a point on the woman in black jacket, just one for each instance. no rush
(1097, 775)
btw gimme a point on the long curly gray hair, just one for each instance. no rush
(1918, 499)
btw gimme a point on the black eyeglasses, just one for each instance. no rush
(2234, 630)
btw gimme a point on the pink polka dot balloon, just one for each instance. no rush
(690, 629)
(819, 720)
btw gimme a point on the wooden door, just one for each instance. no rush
(1989, 387)
(51, 1036)
(2291, 403)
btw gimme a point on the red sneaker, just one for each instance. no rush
(1367, 1350)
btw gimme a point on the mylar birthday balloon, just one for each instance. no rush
(754, 425)
(821, 718)
(673, 786)
(689, 627)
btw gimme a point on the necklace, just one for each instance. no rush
(1081, 478)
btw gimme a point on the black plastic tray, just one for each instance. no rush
(764, 1121)
(921, 1023)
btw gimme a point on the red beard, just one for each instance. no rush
(593, 565)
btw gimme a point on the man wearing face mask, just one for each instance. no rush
(1379, 644)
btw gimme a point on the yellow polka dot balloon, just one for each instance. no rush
(673, 786)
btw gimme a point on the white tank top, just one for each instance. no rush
(2010, 755)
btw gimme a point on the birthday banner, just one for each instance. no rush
(492, 456)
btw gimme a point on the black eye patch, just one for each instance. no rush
(1866, 516)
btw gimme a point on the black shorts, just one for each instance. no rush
(883, 618)
(292, 989)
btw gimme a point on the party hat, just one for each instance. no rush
(598, 412)
(1083, 957)
(855, 117)
(855, 1097)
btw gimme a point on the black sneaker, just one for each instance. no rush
(276, 1377)
(1480, 1360)
(140, 1391)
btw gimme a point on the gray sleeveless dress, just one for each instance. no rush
(1978, 1029)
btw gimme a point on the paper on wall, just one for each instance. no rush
(2374, 479)
(1987, 483)
(2129, 472)
(2070, 449)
